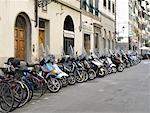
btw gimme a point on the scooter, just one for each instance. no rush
(97, 65)
(87, 66)
(118, 62)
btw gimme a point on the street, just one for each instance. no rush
(126, 92)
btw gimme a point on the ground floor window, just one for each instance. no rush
(96, 41)
(108, 44)
(87, 44)
(113, 45)
(68, 42)
(104, 43)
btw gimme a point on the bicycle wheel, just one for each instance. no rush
(39, 84)
(26, 95)
(6, 97)
(17, 88)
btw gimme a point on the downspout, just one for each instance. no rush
(115, 24)
(36, 12)
(80, 28)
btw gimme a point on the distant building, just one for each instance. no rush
(131, 23)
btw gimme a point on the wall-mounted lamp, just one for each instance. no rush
(123, 28)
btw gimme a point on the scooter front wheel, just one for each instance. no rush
(80, 77)
(64, 81)
(101, 72)
(71, 80)
(91, 74)
(120, 68)
(53, 85)
(114, 70)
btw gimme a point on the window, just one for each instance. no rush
(104, 42)
(96, 7)
(109, 40)
(104, 3)
(68, 42)
(109, 5)
(113, 45)
(87, 44)
(83, 2)
(91, 6)
(96, 40)
(108, 44)
(113, 8)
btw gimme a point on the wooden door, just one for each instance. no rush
(41, 38)
(20, 43)
(41, 43)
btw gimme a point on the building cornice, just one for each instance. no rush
(68, 5)
(105, 15)
(91, 15)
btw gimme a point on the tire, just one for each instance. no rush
(40, 86)
(124, 65)
(86, 76)
(106, 71)
(109, 70)
(101, 73)
(26, 95)
(80, 77)
(17, 88)
(71, 79)
(114, 70)
(6, 97)
(53, 84)
(128, 65)
(120, 68)
(64, 81)
(92, 74)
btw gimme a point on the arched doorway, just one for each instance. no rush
(23, 37)
(68, 34)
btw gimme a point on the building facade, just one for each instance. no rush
(27, 30)
(132, 25)
(98, 19)
(31, 28)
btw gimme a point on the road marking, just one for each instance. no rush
(101, 90)
(46, 98)
(38, 101)
(113, 83)
(33, 103)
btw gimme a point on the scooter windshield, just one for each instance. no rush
(50, 66)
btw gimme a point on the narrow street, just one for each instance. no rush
(126, 92)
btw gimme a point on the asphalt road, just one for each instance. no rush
(126, 92)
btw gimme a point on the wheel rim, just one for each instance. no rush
(71, 80)
(64, 81)
(91, 75)
(114, 70)
(53, 85)
(101, 73)
(120, 68)
(80, 77)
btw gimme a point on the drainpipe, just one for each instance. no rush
(36, 12)
(80, 15)
(115, 24)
